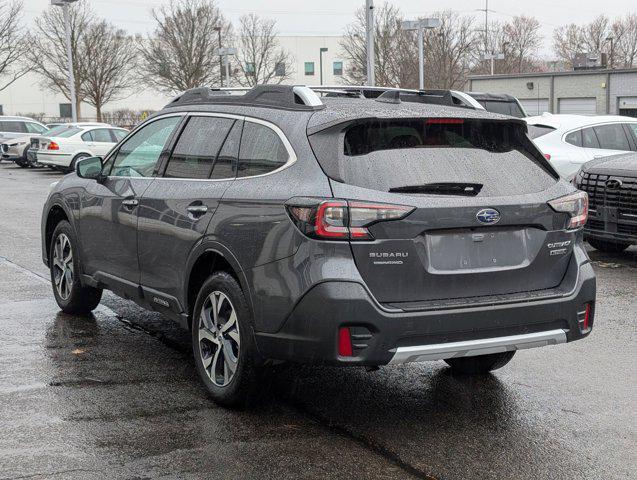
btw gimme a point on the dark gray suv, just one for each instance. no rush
(278, 225)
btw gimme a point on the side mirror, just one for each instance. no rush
(90, 168)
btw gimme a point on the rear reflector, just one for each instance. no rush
(344, 342)
(584, 318)
(547, 156)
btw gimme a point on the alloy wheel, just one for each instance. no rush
(63, 266)
(219, 339)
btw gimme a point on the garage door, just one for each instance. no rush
(577, 106)
(628, 106)
(535, 106)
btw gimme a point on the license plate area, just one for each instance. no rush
(472, 250)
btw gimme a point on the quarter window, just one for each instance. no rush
(262, 150)
(139, 154)
(574, 138)
(612, 137)
(198, 146)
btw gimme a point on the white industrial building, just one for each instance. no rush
(27, 97)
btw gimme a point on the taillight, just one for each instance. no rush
(576, 205)
(340, 219)
(53, 146)
(547, 156)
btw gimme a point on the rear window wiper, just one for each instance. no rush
(444, 188)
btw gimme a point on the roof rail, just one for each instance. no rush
(286, 97)
(437, 97)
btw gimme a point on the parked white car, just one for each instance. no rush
(78, 141)
(12, 127)
(569, 141)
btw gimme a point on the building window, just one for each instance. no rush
(338, 68)
(279, 69)
(1, 110)
(65, 110)
(309, 68)
(250, 68)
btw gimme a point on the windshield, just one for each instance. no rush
(536, 131)
(387, 154)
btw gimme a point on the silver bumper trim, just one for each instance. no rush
(472, 348)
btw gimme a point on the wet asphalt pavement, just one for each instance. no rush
(116, 395)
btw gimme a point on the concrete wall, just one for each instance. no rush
(622, 85)
(581, 86)
(514, 86)
(606, 87)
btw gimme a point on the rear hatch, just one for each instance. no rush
(481, 225)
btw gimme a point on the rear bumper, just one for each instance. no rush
(60, 159)
(382, 335)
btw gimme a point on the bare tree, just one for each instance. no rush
(570, 40)
(448, 51)
(183, 51)
(522, 41)
(260, 58)
(110, 59)
(625, 41)
(12, 43)
(48, 44)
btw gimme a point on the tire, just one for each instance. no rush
(480, 364)
(79, 156)
(216, 358)
(21, 163)
(71, 296)
(608, 246)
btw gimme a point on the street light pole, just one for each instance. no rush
(69, 53)
(322, 50)
(420, 26)
(218, 29)
(369, 25)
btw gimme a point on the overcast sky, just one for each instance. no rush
(329, 17)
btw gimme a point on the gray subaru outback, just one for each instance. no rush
(280, 225)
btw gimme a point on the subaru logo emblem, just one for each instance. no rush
(488, 215)
(613, 184)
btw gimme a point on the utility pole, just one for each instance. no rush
(69, 53)
(369, 25)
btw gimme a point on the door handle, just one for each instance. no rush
(130, 203)
(197, 210)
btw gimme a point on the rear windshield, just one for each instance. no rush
(536, 131)
(507, 107)
(385, 154)
(68, 132)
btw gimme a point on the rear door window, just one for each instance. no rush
(198, 147)
(101, 135)
(612, 137)
(262, 150)
(12, 126)
(574, 138)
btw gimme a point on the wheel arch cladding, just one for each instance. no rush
(56, 215)
(208, 262)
